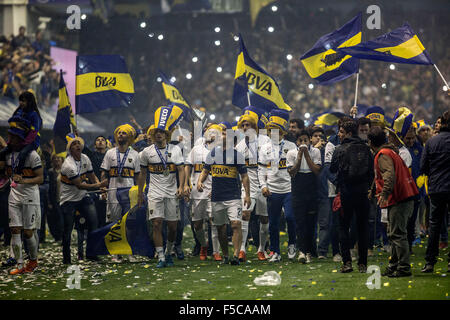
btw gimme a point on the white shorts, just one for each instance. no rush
(260, 202)
(27, 216)
(225, 211)
(166, 208)
(113, 212)
(200, 209)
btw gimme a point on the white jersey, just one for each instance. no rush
(196, 159)
(70, 170)
(276, 178)
(403, 152)
(131, 167)
(250, 152)
(161, 185)
(314, 154)
(24, 193)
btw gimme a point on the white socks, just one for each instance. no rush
(16, 246)
(32, 247)
(215, 239)
(160, 252)
(263, 233)
(244, 234)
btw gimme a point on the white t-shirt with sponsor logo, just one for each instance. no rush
(131, 167)
(161, 186)
(196, 158)
(24, 193)
(250, 152)
(276, 178)
(70, 170)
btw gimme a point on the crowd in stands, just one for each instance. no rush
(24, 63)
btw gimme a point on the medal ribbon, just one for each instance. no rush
(164, 161)
(121, 164)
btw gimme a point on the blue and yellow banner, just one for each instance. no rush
(251, 78)
(102, 82)
(129, 235)
(326, 118)
(174, 96)
(399, 46)
(324, 63)
(65, 121)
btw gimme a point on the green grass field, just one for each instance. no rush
(208, 280)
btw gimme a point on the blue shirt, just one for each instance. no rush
(225, 174)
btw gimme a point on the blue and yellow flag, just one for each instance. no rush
(129, 235)
(102, 82)
(326, 118)
(327, 65)
(175, 97)
(399, 46)
(65, 121)
(250, 77)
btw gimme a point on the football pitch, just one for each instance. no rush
(192, 279)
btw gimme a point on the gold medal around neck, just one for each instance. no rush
(166, 172)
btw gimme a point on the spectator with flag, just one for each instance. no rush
(163, 160)
(119, 169)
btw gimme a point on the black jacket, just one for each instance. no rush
(435, 162)
(338, 161)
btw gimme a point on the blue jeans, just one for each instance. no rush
(274, 204)
(324, 215)
(87, 210)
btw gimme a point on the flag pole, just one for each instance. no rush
(445, 81)
(248, 98)
(356, 93)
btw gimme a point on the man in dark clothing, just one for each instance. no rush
(353, 163)
(96, 158)
(435, 164)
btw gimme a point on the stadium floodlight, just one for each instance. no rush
(271, 29)
(188, 76)
(212, 116)
(392, 67)
(160, 37)
(151, 35)
(289, 56)
(274, 8)
(194, 59)
(217, 29)
(236, 38)
(159, 79)
(219, 69)
(83, 16)
(307, 115)
(444, 88)
(311, 86)
(384, 86)
(173, 79)
(143, 24)
(217, 42)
